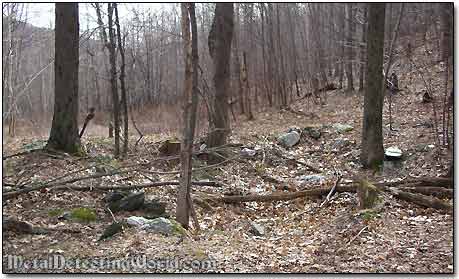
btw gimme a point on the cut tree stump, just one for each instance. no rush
(169, 147)
(367, 193)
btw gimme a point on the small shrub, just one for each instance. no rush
(55, 212)
(83, 214)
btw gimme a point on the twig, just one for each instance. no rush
(355, 237)
(20, 154)
(13, 194)
(332, 192)
(111, 213)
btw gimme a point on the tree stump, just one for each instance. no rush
(170, 147)
(368, 194)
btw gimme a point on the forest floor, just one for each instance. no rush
(299, 235)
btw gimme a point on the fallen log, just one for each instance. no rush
(444, 182)
(136, 186)
(431, 191)
(421, 199)
(282, 196)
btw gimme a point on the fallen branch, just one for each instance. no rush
(282, 196)
(9, 195)
(444, 182)
(137, 186)
(431, 191)
(355, 237)
(421, 199)
(332, 192)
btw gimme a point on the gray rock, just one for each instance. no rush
(133, 201)
(342, 128)
(137, 221)
(114, 196)
(247, 152)
(314, 178)
(424, 147)
(111, 230)
(101, 170)
(289, 139)
(313, 131)
(341, 144)
(154, 209)
(256, 229)
(159, 225)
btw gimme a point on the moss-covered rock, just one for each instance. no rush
(114, 228)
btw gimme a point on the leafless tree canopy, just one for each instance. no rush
(290, 49)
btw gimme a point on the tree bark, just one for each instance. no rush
(64, 129)
(372, 151)
(363, 57)
(122, 82)
(113, 82)
(219, 41)
(349, 48)
(446, 19)
(237, 63)
(189, 111)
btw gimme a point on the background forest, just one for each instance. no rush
(242, 137)
(287, 48)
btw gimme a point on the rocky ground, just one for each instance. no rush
(282, 236)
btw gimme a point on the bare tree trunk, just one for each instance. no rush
(446, 19)
(246, 87)
(281, 88)
(64, 129)
(263, 49)
(350, 52)
(113, 82)
(11, 99)
(122, 83)
(219, 41)
(189, 111)
(343, 38)
(363, 57)
(372, 151)
(237, 63)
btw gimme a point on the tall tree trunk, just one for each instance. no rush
(446, 19)
(343, 39)
(113, 82)
(350, 52)
(372, 151)
(122, 82)
(281, 70)
(237, 63)
(190, 103)
(219, 41)
(363, 57)
(246, 87)
(64, 129)
(266, 71)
